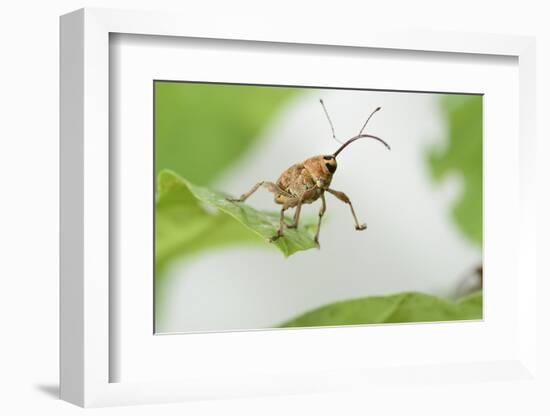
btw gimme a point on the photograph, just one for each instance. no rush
(283, 207)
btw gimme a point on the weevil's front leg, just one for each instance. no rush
(307, 194)
(344, 198)
(321, 213)
(296, 215)
(281, 225)
(270, 186)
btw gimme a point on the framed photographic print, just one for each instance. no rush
(249, 214)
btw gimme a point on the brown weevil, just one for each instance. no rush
(307, 181)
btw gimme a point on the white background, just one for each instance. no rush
(29, 208)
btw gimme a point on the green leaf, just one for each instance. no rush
(190, 218)
(463, 155)
(201, 129)
(401, 307)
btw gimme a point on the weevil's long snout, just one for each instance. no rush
(360, 136)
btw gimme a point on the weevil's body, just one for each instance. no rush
(306, 182)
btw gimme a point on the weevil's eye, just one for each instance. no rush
(331, 163)
(331, 166)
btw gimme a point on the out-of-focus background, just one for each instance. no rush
(422, 201)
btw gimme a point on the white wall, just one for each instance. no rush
(29, 208)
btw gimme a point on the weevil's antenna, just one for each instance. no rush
(365, 125)
(330, 122)
(359, 137)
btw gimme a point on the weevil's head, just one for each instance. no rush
(321, 168)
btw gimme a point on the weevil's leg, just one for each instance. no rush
(307, 194)
(290, 202)
(270, 186)
(344, 198)
(244, 196)
(281, 225)
(321, 213)
(296, 215)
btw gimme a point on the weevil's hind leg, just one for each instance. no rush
(244, 196)
(270, 186)
(321, 213)
(281, 225)
(344, 198)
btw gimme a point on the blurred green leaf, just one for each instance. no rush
(191, 218)
(463, 155)
(402, 307)
(200, 129)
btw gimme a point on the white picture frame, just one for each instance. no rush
(87, 357)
